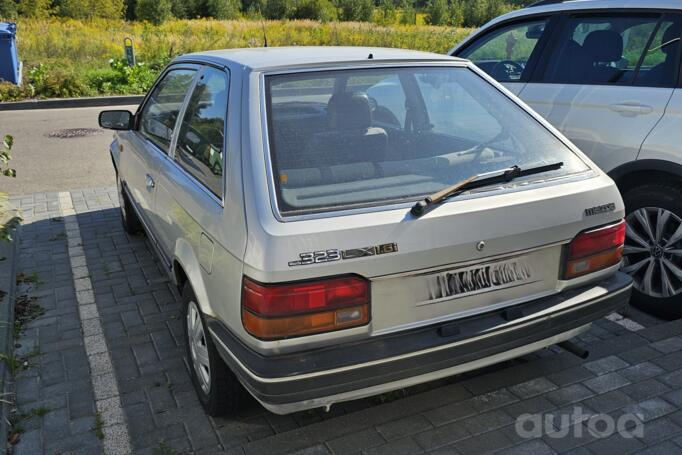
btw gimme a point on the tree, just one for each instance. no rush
(154, 11)
(130, 9)
(221, 9)
(387, 12)
(278, 9)
(437, 12)
(456, 14)
(408, 15)
(83, 9)
(319, 10)
(356, 10)
(35, 8)
(8, 9)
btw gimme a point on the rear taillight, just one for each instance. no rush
(595, 250)
(276, 311)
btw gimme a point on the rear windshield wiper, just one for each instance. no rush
(478, 181)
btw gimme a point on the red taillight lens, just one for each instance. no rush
(285, 310)
(594, 250)
(601, 239)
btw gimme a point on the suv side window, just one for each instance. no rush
(160, 113)
(661, 61)
(504, 53)
(201, 141)
(600, 49)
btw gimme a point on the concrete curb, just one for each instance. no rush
(67, 103)
(8, 272)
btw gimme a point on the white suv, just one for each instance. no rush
(348, 221)
(606, 74)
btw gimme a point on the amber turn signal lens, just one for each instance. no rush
(306, 324)
(277, 311)
(594, 250)
(589, 264)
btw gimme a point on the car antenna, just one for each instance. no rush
(370, 56)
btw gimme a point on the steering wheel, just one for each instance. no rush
(505, 69)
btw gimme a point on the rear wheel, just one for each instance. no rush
(218, 388)
(653, 248)
(131, 223)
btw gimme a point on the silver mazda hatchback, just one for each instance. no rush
(343, 222)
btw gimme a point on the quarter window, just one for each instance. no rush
(201, 140)
(160, 113)
(504, 53)
(605, 50)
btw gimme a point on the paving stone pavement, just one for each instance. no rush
(628, 372)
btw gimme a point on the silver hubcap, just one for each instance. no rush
(198, 348)
(653, 251)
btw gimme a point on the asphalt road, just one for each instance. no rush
(45, 160)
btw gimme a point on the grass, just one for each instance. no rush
(163, 449)
(66, 57)
(26, 309)
(99, 425)
(33, 279)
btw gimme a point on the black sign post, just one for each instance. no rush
(129, 50)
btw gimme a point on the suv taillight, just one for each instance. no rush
(276, 311)
(595, 250)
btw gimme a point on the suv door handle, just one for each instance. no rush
(149, 181)
(631, 108)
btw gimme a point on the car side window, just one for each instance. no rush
(388, 102)
(159, 114)
(661, 62)
(599, 49)
(201, 140)
(505, 52)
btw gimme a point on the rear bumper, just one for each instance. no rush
(321, 377)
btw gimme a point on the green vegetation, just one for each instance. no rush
(99, 426)
(70, 58)
(73, 48)
(8, 216)
(450, 12)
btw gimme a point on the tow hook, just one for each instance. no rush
(574, 349)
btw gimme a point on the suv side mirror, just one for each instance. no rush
(116, 120)
(535, 32)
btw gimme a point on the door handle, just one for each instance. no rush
(149, 181)
(631, 108)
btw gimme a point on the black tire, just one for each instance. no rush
(225, 393)
(666, 196)
(131, 223)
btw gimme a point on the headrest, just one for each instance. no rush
(349, 111)
(604, 46)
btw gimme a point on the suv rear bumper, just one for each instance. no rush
(320, 377)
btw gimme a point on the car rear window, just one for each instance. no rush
(354, 138)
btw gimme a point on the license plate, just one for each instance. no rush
(480, 278)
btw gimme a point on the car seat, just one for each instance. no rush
(603, 47)
(350, 137)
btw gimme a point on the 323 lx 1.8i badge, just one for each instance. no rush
(317, 257)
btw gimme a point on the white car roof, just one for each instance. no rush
(570, 5)
(277, 57)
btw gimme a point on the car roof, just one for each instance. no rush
(276, 57)
(571, 5)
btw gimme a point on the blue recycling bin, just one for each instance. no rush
(10, 66)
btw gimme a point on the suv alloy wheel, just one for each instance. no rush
(653, 248)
